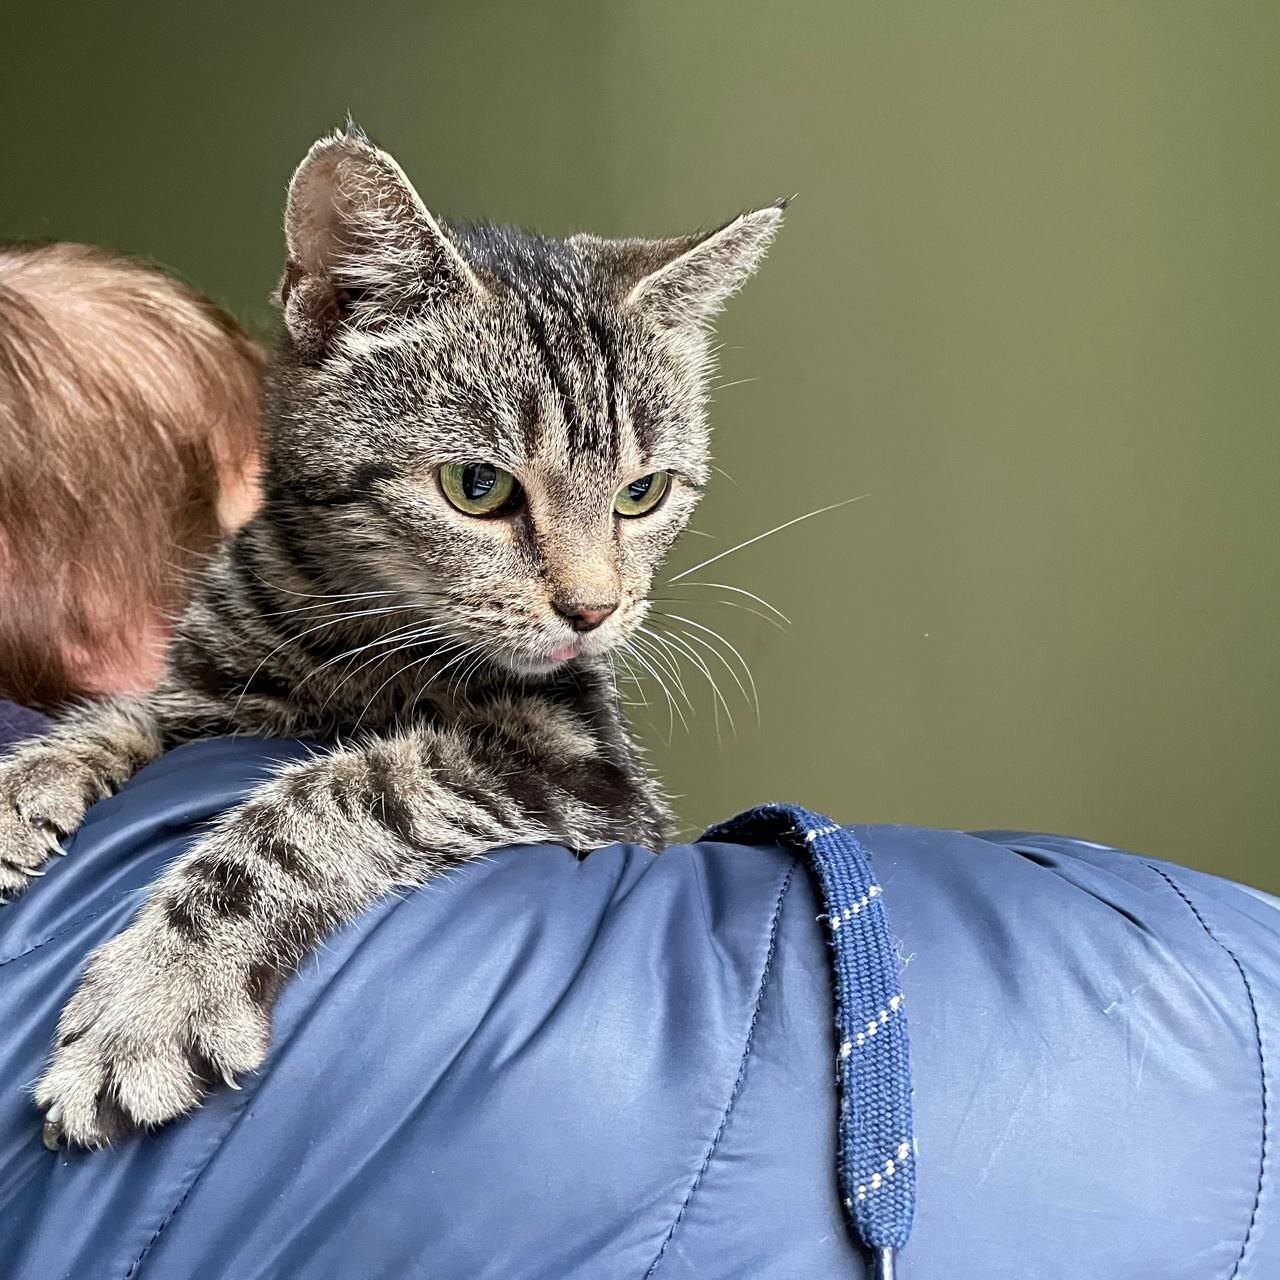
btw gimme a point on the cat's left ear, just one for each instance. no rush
(362, 247)
(687, 280)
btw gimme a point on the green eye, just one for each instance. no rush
(477, 488)
(641, 496)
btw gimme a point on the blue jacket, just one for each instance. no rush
(18, 723)
(547, 1069)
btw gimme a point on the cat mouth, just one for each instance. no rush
(547, 660)
(538, 664)
(548, 653)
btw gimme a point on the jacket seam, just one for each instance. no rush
(765, 974)
(168, 1218)
(1262, 1060)
(70, 928)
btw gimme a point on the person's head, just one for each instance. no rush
(128, 447)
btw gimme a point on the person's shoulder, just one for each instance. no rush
(1086, 1023)
(1054, 906)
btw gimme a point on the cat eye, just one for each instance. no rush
(641, 496)
(478, 488)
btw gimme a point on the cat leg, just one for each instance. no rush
(46, 785)
(182, 998)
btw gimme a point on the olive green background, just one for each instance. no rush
(1026, 302)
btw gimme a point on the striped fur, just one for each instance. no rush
(360, 610)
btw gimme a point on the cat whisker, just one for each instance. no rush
(325, 604)
(744, 608)
(395, 675)
(402, 639)
(671, 660)
(674, 708)
(719, 699)
(742, 591)
(710, 648)
(400, 629)
(690, 637)
(658, 655)
(720, 471)
(726, 604)
(399, 639)
(755, 697)
(642, 698)
(612, 668)
(808, 515)
(328, 622)
(418, 627)
(459, 681)
(451, 647)
(621, 656)
(619, 700)
(317, 595)
(468, 651)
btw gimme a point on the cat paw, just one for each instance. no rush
(144, 1038)
(44, 792)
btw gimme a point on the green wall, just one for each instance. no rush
(1026, 301)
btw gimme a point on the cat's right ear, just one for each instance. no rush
(363, 249)
(683, 282)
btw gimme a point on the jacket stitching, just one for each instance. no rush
(1262, 1060)
(765, 974)
(70, 928)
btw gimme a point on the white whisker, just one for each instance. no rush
(719, 699)
(755, 698)
(733, 480)
(671, 661)
(674, 708)
(404, 648)
(328, 622)
(644, 663)
(448, 648)
(808, 515)
(658, 655)
(403, 639)
(742, 591)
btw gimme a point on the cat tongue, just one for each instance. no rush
(564, 653)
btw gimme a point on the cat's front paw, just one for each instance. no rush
(146, 1035)
(44, 792)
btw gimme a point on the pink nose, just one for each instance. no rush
(583, 617)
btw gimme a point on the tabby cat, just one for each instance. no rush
(480, 444)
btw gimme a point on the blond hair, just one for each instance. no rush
(128, 418)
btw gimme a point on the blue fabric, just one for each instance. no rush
(17, 723)
(877, 1166)
(548, 1069)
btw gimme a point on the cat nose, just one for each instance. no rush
(583, 617)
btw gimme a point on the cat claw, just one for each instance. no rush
(52, 841)
(52, 1133)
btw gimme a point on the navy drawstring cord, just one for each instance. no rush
(877, 1154)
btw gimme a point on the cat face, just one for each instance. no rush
(508, 430)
